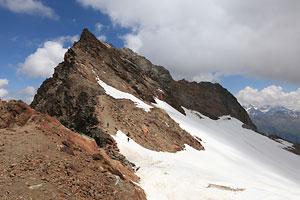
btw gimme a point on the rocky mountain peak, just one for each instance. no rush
(87, 44)
(88, 38)
(73, 95)
(87, 35)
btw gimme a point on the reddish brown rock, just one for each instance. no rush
(14, 113)
(41, 159)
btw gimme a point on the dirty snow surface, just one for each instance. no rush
(117, 94)
(237, 163)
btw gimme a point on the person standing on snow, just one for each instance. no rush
(128, 136)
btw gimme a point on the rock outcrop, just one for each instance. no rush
(41, 159)
(211, 100)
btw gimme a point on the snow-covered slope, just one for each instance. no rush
(237, 163)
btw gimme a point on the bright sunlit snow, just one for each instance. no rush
(117, 94)
(237, 163)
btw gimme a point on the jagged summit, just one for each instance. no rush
(87, 38)
(87, 35)
(88, 43)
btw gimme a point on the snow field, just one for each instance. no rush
(237, 164)
(234, 157)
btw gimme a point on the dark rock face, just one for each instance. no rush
(150, 80)
(68, 95)
(211, 100)
(72, 94)
(69, 99)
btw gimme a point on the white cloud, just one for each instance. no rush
(3, 82)
(254, 38)
(272, 95)
(43, 61)
(102, 38)
(133, 42)
(26, 94)
(3, 92)
(98, 27)
(28, 91)
(211, 77)
(31, 7)
(67, 39)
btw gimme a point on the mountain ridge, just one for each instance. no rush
(276, 121)
(135, 74)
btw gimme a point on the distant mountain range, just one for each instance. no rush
(276, 120)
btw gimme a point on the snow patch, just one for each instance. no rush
(117, 94)
(285, 144)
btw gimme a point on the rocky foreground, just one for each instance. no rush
(41, 159)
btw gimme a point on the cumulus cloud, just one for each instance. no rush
(3, 92)
(102, 38)
(43, 61)
(3, 83)
(253, 38)
(211, 77)
(28, 91)
(272, 95)
(98, 29)
(26, 94)
(31, 7)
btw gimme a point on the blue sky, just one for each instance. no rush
(232, 43)
(21, 34)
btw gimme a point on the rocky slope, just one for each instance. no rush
(75, 98)
(41, 159)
